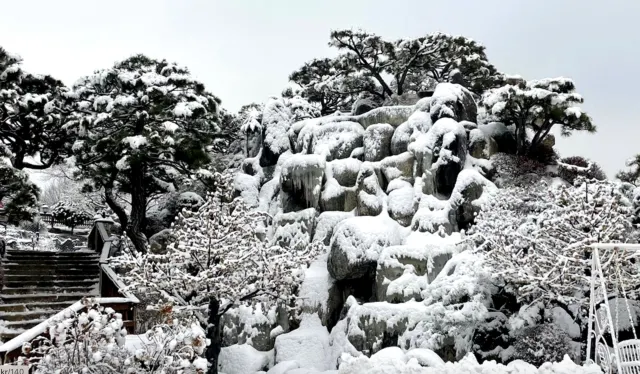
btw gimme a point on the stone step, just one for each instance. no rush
(53, 283)
(51, 258)
(50, 290)
(22, 307)
(49, 253)
(48, 277)
(94, 270)
(42, 298)
(23, 325)
(46, 264)
(29, 315)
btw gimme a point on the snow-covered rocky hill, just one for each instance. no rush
(390, 193)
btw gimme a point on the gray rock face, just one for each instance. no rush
(400, 139)
(377, 142)
(158, 243)
(398, 167)
(356, 244)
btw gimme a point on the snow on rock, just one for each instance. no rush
(334, 140)
(243, 359)
(294, 229)
(470, 192)
(309, 345)
(318, 292)
(326, 223)
(377, 141)
(276, 119)
(481, 145)
(446, 142)
(371, 199)
(393, 115)
(335, 197)
(345, 171)
(250, 325)
(284, 367)
(301, 181)
(403, 272)
(402, 202)
(398, 166)
(418, 122)
(425, 357)
(357, 243)
(503, 136)
(450, 100)
(247, 187)
(468, 365)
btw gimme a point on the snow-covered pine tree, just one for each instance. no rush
(216, 258)
(18, 194)
(32, 111)
(141, 126)
(537, 105)
(631, 174)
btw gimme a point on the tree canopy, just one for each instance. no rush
(141, 126)
(32, 112)
(368, 64)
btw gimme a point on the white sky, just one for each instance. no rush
(244, 50)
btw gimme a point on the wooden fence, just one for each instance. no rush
(52, 221)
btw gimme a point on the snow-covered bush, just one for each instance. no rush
(70, 213)
(93, 341)
(217, 258)
(538, 237)
(569, 168)
(539, 344)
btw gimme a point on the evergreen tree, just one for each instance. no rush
(632, 172)
(141, 127)
(537, 105)
(18, 194)
(32, 111)
(370, 65)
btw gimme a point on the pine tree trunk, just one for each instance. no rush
(138, 209)
(213, 334)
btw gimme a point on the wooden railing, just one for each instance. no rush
(112, 294)
(52, 221)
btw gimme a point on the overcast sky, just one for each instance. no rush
(243, 50)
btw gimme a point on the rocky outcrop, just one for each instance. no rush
(377, 142)
(301, 181)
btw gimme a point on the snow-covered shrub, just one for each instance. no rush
(93, 341)
(539, 344)
(70, 213)
(35, 225)
(538, 237)
(569, 168)
(217, 259)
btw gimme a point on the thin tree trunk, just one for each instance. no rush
(138, 209)
(213, 334)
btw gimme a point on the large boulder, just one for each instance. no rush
(503, 136)
(369, 194)
(398, 167)
(357, 242)
(319, 294)
(301, 181)
(377, 141)
(451, 100)
(249, 325)
(333, 140)
(326, 223)
(402, 203)
(158, 243)
(468, 196)
(393, 115)
(247, 187)
(481, 145)
(419, 121)
(434, 216)
(345, 171)
(446, 144)
(363, 105)
(335, 197)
